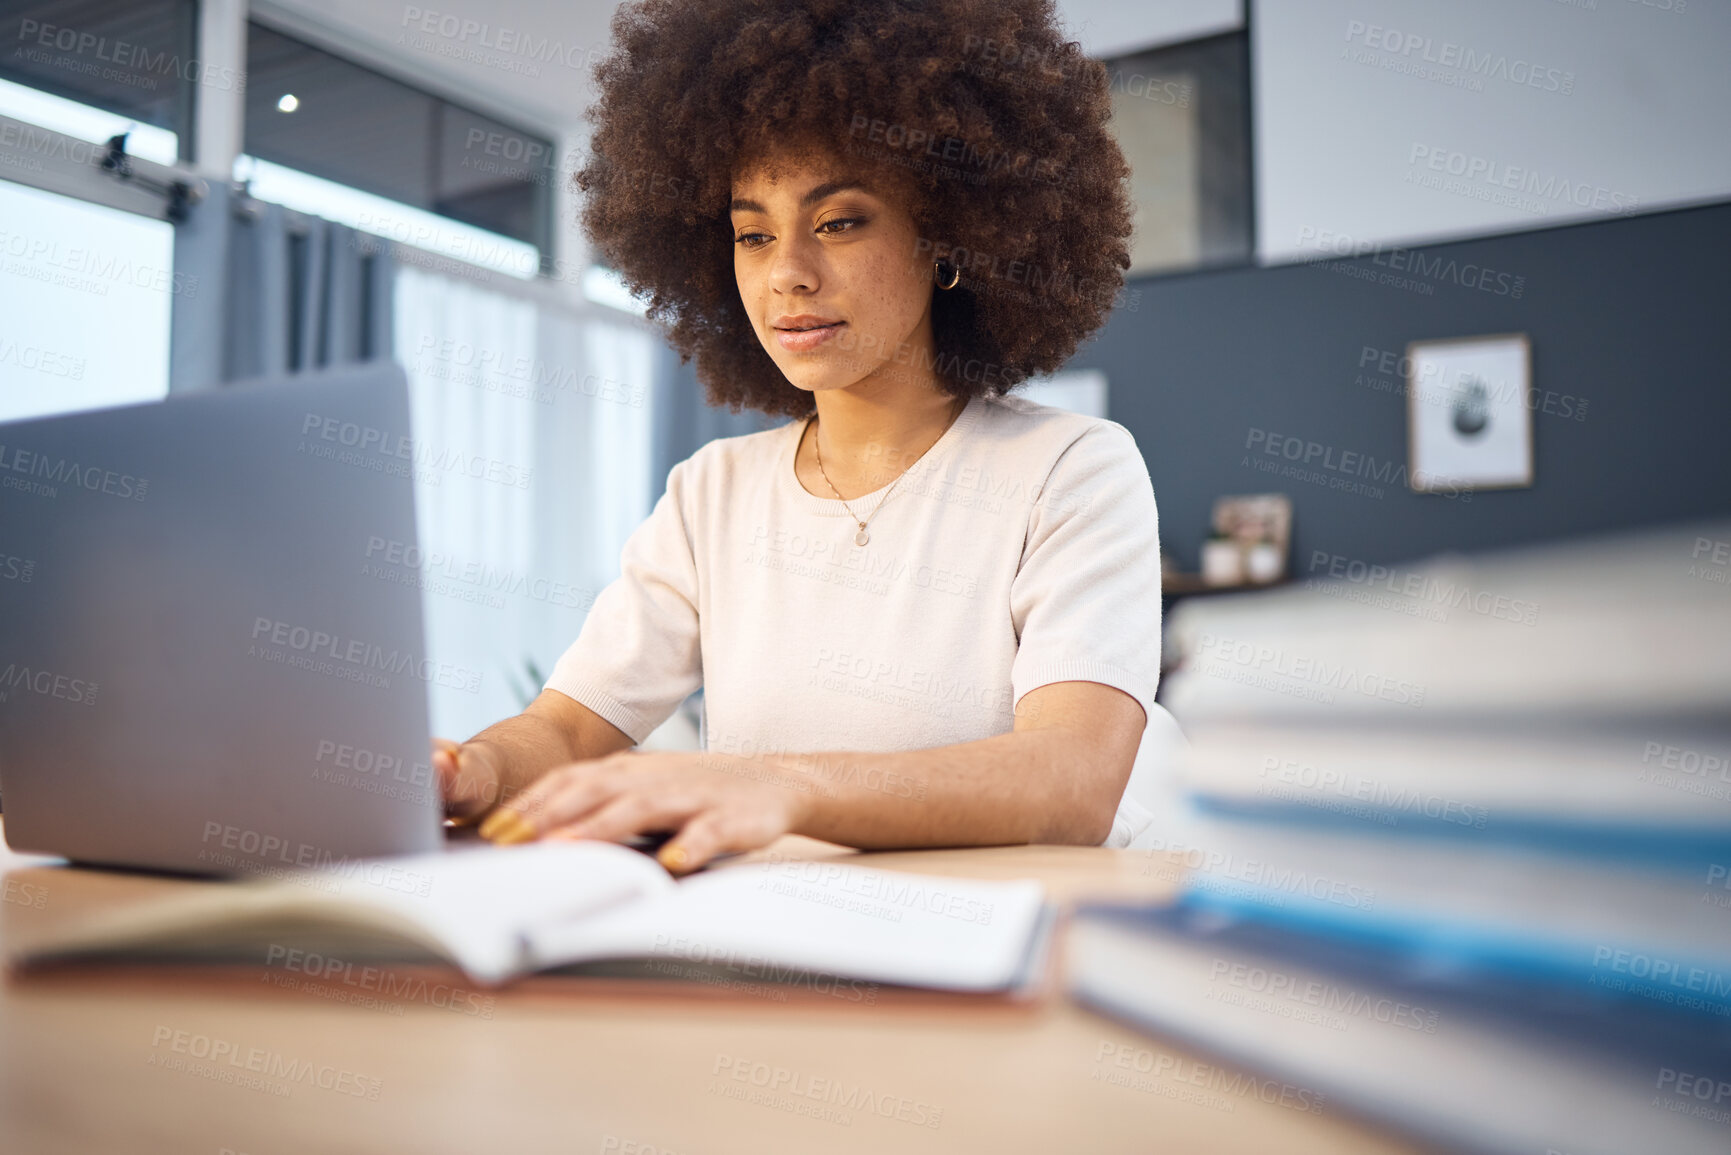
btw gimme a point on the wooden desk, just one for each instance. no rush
(82, 1058)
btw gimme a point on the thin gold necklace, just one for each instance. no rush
(863, 536)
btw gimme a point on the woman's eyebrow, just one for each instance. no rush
(817, 193)
(829, 189)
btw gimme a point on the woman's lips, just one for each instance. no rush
(805, 340)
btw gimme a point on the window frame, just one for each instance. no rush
(1177, 56)
(278, 23)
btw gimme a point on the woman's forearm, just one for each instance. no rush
(1056, 778)
(553, 731)
(1021, 787)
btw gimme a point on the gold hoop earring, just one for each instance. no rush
(955, 275)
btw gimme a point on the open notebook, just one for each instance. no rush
(500, 912)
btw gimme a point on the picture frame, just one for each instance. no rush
(1258, 526)
(1469, 413)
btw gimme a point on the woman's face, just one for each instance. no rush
(830, 274)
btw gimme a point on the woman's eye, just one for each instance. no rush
(751, 240)
(840, 224)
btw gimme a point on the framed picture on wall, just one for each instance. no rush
(1469, 417)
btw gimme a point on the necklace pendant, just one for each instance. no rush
(862, 536)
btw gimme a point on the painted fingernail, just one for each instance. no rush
(674, 857)
(507, 828)
(519, 831)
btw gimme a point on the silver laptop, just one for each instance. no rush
(200, 667)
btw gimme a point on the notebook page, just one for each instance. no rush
(477, 901)
(471, 905)
(882, 926)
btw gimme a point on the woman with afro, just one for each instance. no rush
(924, 611)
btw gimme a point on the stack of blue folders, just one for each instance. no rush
(1455, 842)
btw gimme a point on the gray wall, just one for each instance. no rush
(1534, 113)
(684, 421)
(1630, 315)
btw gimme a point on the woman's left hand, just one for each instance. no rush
(716, 804)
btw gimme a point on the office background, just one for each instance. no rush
(1315, 178)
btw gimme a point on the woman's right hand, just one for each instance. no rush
(469, 778)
